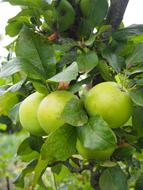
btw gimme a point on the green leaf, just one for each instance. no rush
(136, 57)
(7, 101)
(67, 75)
(115, 61)
(113, 179)
(105, 71)
(137, 120)
(87, 61)
(11, 67)
(74, 113)
(39, 170)
(19, 181)
(137, 96)
(29, 144)
(14, 113)
(13, 28)
(124, 152)
(124, 33)
(60, 145)
(94, 15)
(37, 53)
(97, 135)
(11, 88)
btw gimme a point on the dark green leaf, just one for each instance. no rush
(87, 61)
(97, 135)
(74, 113)
(139, 183)
(60, 145)
(115, 61)
(70, 73)
(133, 30)
(113, 179)
(124, 152)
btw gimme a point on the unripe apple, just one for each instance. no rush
(111, 101)
(50, 109)
(28, 114)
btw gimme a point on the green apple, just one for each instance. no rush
(99, 155)
(50, 110)
(111, 101)
(28, 114)
(65, 16)
(85, 7)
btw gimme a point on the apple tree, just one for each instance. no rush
(73, 79)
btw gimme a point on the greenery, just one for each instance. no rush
(67, 45)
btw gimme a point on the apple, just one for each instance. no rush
(111, 101)
(65, 16)
(28, 114)
(50, 109)
(99, 155)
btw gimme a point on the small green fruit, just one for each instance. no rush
(111, 101)
(65, 16)
(50, 110)
(28, 114)
(99, 155)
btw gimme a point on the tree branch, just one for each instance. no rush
(116, 12)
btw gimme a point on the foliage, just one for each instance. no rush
(42, 57)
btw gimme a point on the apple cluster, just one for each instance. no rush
(40, 114)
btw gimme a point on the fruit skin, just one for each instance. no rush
(50, 110)
(111, 102)
(85, 7)
(65, 16)
(28, 114)
(99, 155)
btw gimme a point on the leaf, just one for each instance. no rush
(14, 113)
(136, 57)
(73, 113)
(115, 61)
(95, 14)
(29, 144)
(13, 28)
(124, 33)
(39, 170)
(113, 179)
(19, 181)
(60, 145)
(137, 96)
(7, 101)
(67, 75)
(97, 135)
(38, 55)
(124, 152)
(87, 61)
(11, 67)
(105, 71)
(137, 120)
(11, 88)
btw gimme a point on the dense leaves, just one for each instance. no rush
(58, 48)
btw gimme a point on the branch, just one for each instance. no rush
(116, 12)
